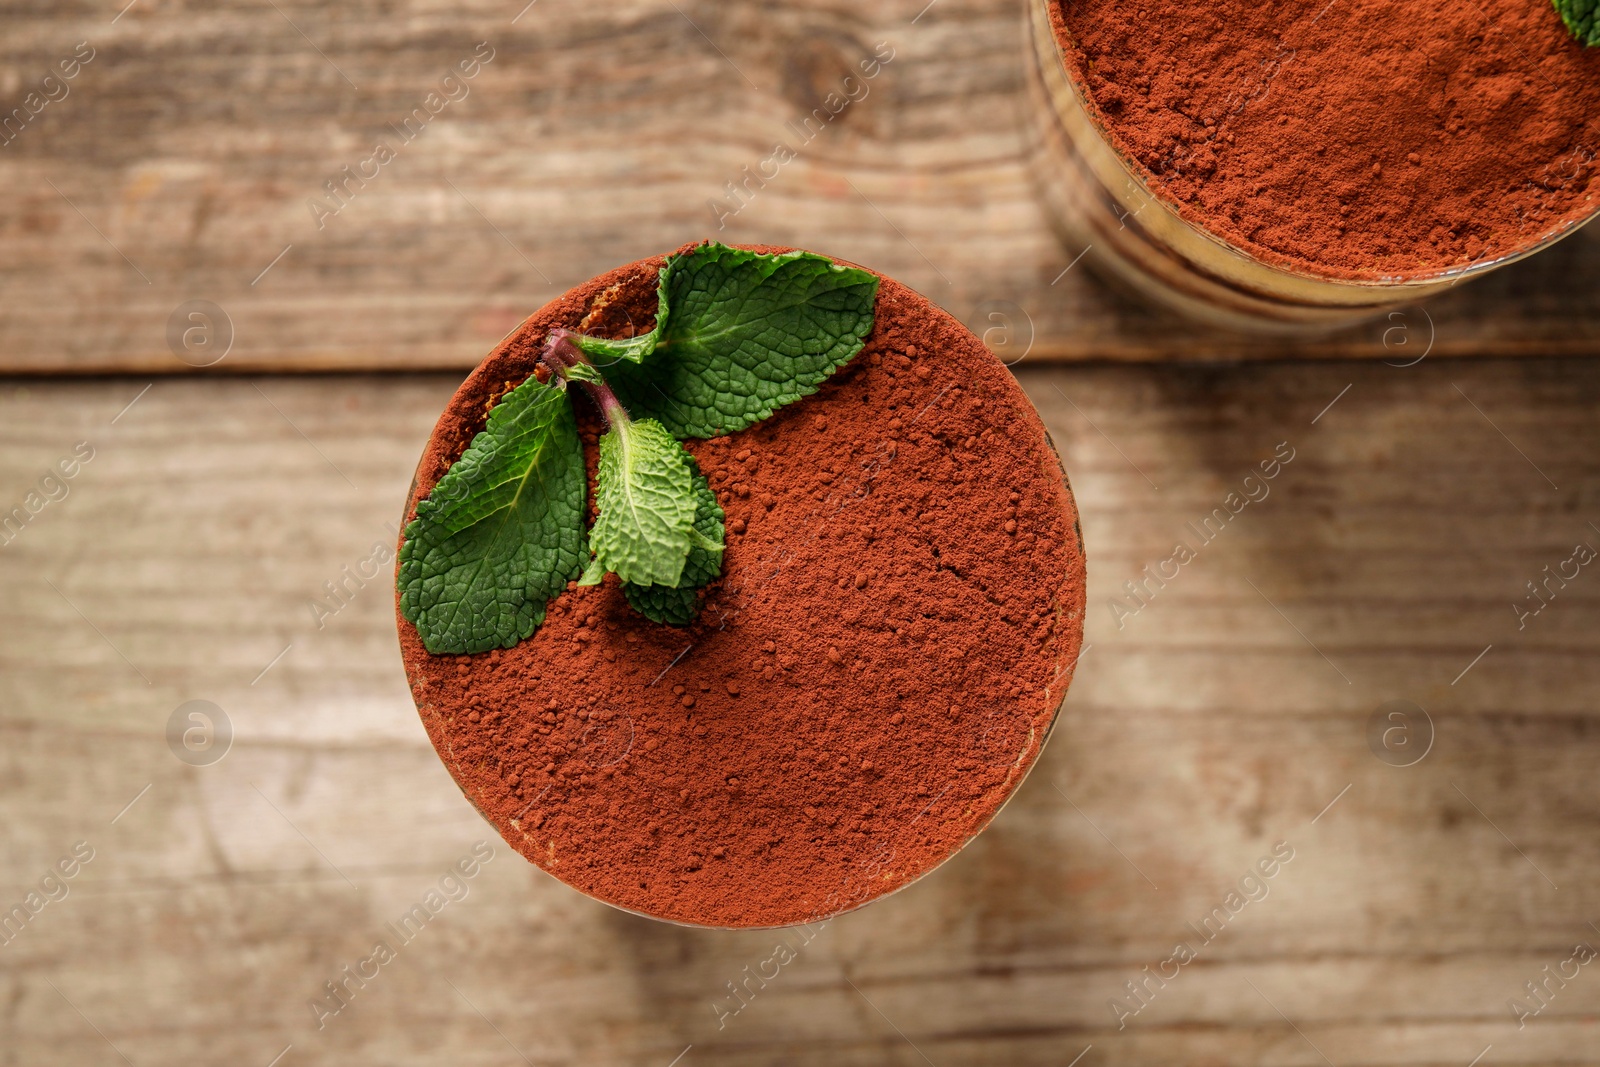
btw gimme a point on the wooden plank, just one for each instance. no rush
(182, 163)
(1198, 734)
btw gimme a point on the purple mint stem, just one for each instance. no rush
(561, 353)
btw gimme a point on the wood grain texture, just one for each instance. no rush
(1225, 716)
(182, 162)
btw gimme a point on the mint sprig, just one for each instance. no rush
(737, 336)
(1582, 18)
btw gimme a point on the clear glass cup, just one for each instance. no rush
(1105, 210)
(1013, 735)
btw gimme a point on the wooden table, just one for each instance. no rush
(1233, 710)
(184, 161)
(1228, 714)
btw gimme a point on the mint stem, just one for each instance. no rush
(560, 354)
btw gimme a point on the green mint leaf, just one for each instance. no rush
(646, 496)
(1582, 18)
(606, 352)
(582, 372)
(678, 605)
(700, 540)
(740, 334)
(593, 573)
(502, 531)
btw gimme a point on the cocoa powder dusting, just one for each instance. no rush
(899, 615)
(1352, 138)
